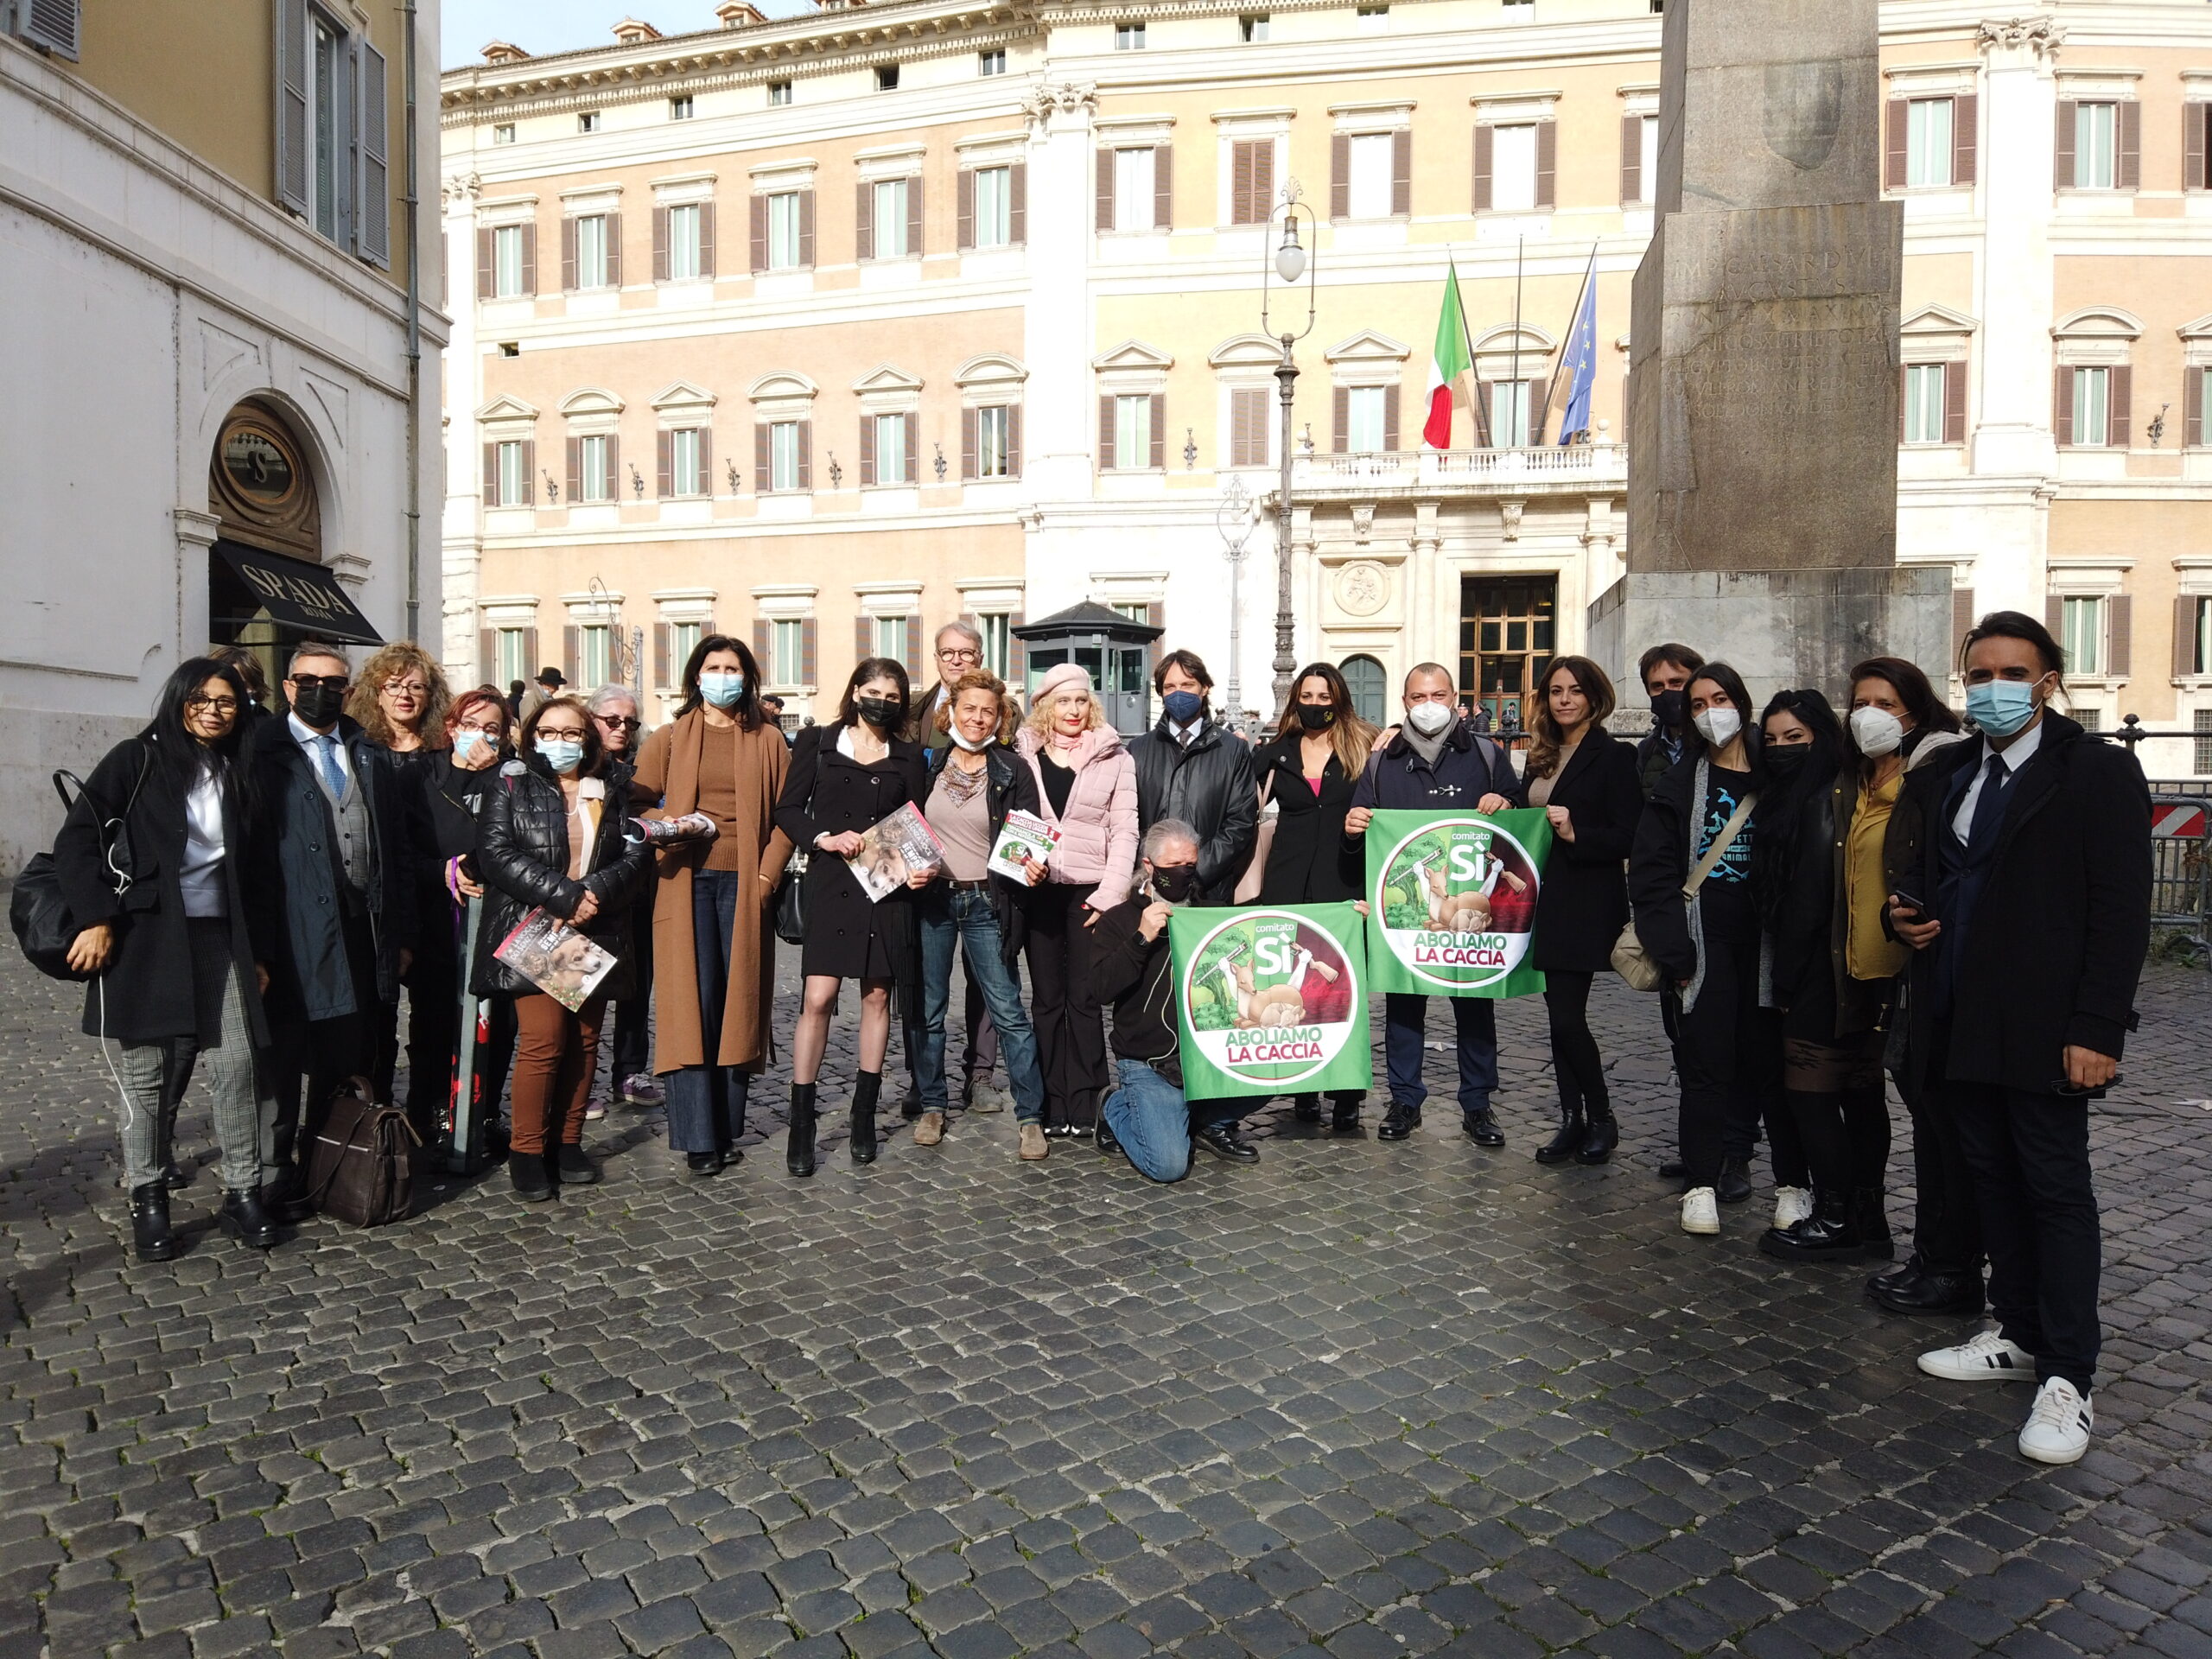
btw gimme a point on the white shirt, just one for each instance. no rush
(1183, 734)
(201, 875)
(310, 742)
(2018, 754)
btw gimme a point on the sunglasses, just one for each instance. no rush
(620, 722)
(309, 682)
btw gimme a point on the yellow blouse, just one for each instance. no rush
(1869, 953)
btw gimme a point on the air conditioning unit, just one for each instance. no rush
(49, 25)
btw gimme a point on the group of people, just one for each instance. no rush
(1827, 899)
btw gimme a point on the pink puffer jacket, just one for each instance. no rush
(1098, 832)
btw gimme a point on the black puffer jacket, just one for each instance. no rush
(522, 857)
(1210, 786)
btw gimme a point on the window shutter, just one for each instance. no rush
(1340, 175)
(806, 454)
(660, 654)
(291, 57)
(913, 447)
(572, 653)
(2127, 172)
(2054, 617)
(1632, 159)
(664, 462)
(806, 229)
(52, 24)
(1263, 180)
(1163, 186)
(1341, 404)
(2196, 129)
(757, 213)
(864, 228)
(912, 656)
(1954, 402)
(1546, 163)
(660, 244)
(2192, 407)
(2119, 387)
(1155, 615)
(761, 474)
(568, 254)
(1248, 427)
(1158, 459)
(1390, 418)
(1104, 217)
(1402, 173)
(809, 651)
(614, 466)
(914, 216)
(487, 655)
(372, 178)
(490, 475)
(575, 470)
(704, 484)
(2062, 406)
(1482, 136)
(1961, 618)
(613, 241)
(486, 264)
(868, 450)
(1017, 212)
(1966, 138)
(864, 637)
(2184, 657)
(529, 645)
(528, 472)
(707, 239)
(1014, 439)
(1240, 182)
(967, 443)
(964, 209)
(2063, 146)
(1017, 653)
(1904, 399)
(1896, 147)
(1106, 457)
(762, 650)
(530, 258)
(2119, 635)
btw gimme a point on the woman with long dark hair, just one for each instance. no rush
(1708, 944)
(1307, 774)
(844, 777)
(162, 901)
(1585, 781)
(714, 948)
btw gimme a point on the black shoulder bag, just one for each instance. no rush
(37, 910)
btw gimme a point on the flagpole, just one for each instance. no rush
(1467, 338)
(1574, 317)
(1520, 245)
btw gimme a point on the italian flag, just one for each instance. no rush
(1448, 365)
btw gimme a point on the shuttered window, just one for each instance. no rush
(514, 475)
(783, 456)
(1928, 145)
(994, 445)
(1365, 409)
(507, 262)
(1133, 435)
(512, 650)
(1923, 403)
(782, 249)
(1367, 175)
(1247, 426)
(595, 479)
(988, 215)
(787, 651)
(1513, 168)
(2081, 633)
(2096, 146)
(1133, 189)
(1252, 180)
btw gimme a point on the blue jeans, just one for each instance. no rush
(1406, 1021)
(967, 918)
(1150, 1118)
(706, 1103)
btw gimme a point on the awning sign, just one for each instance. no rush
(299, 594)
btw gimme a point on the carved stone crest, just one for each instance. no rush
(1804, 111)
(1362, 589)
(1362, 521)
(1508, 517)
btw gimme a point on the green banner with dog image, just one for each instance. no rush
(1452, 902)
(1270, 1000)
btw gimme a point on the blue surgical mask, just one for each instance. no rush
(563, 754)
(721, 686)
(466, 742)
(1182, 707)
(2001, 708)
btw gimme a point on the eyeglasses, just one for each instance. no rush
(309, 682)
(618, 722)
(962, 655)
(407, 687)
(561, 735)
(492, 731)
(220, 705)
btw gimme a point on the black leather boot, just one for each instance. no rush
(798, 1140)
(1569, 1141)
(1605, 1135)
(1343, 1117)
(1826, 1234)
(1306, 1109)
(247, 1219)
(866, 1087)
(149, 1222)
(1872, 1220)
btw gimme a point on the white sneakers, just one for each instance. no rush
(1791, 1205)
(2058, 1429)
(2058, 1426)
(1988, 1358)
(1701, 1211)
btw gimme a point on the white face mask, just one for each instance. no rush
(1719, 726)
(1877, 732)
(968, 743)
(1429, 718)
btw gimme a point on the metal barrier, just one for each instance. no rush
(2181, 871)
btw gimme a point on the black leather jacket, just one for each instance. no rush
(1210, 786)
(1009, 786)
(522, 857)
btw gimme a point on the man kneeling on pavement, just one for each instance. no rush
(1134, 969)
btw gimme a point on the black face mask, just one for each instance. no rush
(1671, 709)
(319, 705)
(877, 711)
(1316, 716)
(1174, 882)
(1786, 759)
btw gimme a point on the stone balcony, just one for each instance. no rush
(1444, 474)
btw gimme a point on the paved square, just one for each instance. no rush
(1360, 1399)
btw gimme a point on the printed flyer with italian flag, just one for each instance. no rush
(1452, 902)
(1270, 1000)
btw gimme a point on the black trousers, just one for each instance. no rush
(1946, 1225)
(2029, 1155)
(1727, 1060)
(1071, 1030)
(326, 1052)
(632, 1046)
(1576, 1063)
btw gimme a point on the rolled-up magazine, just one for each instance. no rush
(891, 849)
(1025, 839)
(553, 957)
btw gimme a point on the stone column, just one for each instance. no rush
(1057, 439)
(196, 533)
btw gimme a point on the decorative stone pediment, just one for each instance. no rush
(782, 384)
(1938, 320)
(2098, 322)
(990, 368)
(884, 377)
(506, 408)
(1368, 346)
(592, 400)
(1133, 354)
(1245, 352)
(683, 395)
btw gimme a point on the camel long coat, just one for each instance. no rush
(668, 767)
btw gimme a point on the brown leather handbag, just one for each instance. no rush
(361, 1167)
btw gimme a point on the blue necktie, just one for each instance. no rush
(1988, 807)
(334, 775)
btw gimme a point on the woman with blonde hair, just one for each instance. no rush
(1088, 785)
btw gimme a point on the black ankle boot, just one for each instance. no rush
(798, 1140)
(244, 1218)
(149, 1222)
(1569, 1141)
(866, 1087)
(1605, 1135)
(1826, 1233)
(1872, 1220)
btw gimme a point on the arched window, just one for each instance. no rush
(1364, 676)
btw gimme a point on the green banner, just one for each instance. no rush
(1452, 902)
(1270, 1000)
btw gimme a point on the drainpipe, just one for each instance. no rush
(414, 348)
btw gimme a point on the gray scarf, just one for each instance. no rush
(1427, 747)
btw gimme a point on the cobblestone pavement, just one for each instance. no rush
(1360, 1399)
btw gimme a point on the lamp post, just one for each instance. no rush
(1287, 263)
(1233, 518)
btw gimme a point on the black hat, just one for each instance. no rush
(551, 676)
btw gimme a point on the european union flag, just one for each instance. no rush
(1580, 362)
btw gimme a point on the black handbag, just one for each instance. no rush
(37, 911)
(791, 902)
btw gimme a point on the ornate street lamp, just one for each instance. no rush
(1287, 264)
(1233, 518)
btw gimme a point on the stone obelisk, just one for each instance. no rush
(1763, 383)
